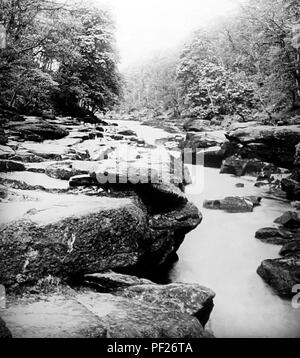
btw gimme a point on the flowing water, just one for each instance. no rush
(222, 253)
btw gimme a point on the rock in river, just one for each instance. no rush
(281, 274)
(233, 203)
(289, 219)
(273, 235)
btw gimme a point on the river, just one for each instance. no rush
(222, 253)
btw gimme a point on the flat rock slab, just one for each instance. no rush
(35, 179)
(88, 314)
(51, 151)
(37, 129)
(51, 316)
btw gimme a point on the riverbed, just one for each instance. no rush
(222, 253)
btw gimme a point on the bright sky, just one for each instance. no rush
(147, 26)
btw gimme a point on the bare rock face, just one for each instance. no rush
(121, 307)
(281, 274)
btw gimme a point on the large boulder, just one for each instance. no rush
(69, 235)
(127, 164)
(167, 230)
(268, 143)
(189, 298)
(238, 166)
(281, 274)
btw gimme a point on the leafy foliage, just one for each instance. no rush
(57, 54)
(246, 63)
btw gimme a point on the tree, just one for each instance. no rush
(60, 54)
(246, 63)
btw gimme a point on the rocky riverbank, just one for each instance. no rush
(77, 200)
(271, 154)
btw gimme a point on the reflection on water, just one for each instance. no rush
(223, 254)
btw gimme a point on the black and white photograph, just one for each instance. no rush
(149, 172)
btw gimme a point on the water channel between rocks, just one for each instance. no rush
(222, 253)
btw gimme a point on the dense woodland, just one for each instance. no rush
(62, 56)
(57, 55)
(242, 65)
